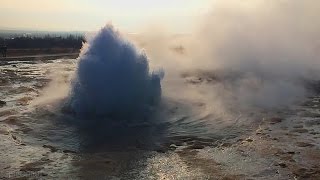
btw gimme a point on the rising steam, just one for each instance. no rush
(271, 47)
(113, 78)
(254, 53)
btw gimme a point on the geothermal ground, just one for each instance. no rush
(184, 140)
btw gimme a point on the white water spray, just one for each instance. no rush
(113, 78)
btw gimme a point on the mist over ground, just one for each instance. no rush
(257, 53)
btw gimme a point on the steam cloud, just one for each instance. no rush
(113, 78)
(258, 53)
(271, 47)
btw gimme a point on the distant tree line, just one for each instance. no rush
(48, 41)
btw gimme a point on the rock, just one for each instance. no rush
(14, 137)
(314, 133)
(44, 174)
(291, 152)
(2, 103)
(283, 165)
(300, 130)
(275, 120)
(69, 151)
(197, 146)
(226, 145)
(304, 144)
(240, 140)
(52, 149)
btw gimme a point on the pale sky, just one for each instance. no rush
(87, 15)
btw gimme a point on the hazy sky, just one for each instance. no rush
(129, 15)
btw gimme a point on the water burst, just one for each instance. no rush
(113, 78)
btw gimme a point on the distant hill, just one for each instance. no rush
(10, 33)
(31, 39)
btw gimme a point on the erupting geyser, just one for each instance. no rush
(113, 79)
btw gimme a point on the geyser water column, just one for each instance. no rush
(113, 79)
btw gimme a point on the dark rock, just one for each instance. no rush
(226, 144)
(314, 133)
(197, 146)
(2, 103)
(291, 152)
(14, 137)
(300, 130)
(283, 165)
(69, 151)
(52, 148)
(304, 144)
(275, 120)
